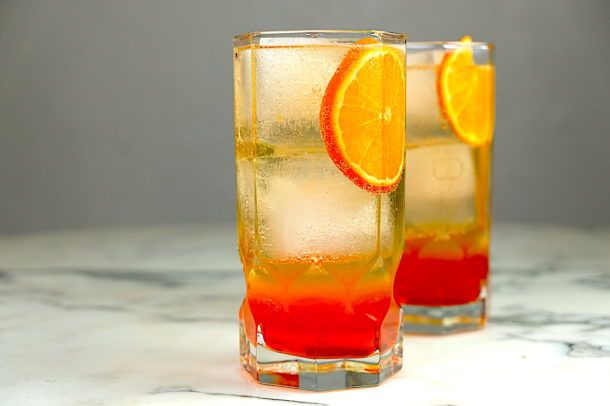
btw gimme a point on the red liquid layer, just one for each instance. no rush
(324, 329)
(450, 274)
(322, 316)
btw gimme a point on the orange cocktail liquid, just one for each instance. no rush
(321, 307)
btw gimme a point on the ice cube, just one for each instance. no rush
(424, 118)
(290, 83)
(307, 207)
(440, 184)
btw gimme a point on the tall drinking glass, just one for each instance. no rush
(319, 150)
(442, 280)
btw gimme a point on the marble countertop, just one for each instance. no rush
(148, 316)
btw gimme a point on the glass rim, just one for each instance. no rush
(390, 36)
(449, 44)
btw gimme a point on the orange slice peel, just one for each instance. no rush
(362, 116)
(466, 91)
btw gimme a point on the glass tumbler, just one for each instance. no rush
(442, 280)
(319, 152)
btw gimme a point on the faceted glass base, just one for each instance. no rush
(438, 320)
(275, 368)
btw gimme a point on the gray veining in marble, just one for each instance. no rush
(148, 316)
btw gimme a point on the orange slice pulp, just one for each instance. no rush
(466, 92)
(362, 116)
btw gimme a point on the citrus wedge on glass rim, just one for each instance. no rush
(362, 116)
(465, 92)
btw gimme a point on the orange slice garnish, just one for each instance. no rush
(362, 117)
(466, 92)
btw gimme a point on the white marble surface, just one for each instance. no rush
(148, 316)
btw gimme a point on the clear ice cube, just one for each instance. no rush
(290, 84)
(308, 207)
(440, 184)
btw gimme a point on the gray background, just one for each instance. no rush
(120, 112)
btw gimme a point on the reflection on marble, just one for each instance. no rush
(148, 316)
